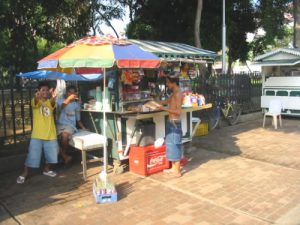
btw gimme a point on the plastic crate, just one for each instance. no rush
(202, 129)
(147, 160)
(104, 198)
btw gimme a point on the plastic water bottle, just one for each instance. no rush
(98, 98)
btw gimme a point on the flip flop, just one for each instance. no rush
(49, 173)
(168, 171)
(174, 175)
(20, 180)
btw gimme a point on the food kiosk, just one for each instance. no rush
(115, 106)
(129, 121)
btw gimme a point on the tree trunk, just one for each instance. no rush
(197, 24)
(297, 23)
(202, 67)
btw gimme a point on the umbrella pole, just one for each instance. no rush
(104, 124)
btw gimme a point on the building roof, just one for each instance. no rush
(286, 62)
(291, 51)
(171, 51)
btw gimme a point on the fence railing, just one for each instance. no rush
(245, 89)
(15, 116)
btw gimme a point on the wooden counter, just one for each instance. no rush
(145, 115)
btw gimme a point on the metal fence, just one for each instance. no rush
(245, 89)
(15, 116)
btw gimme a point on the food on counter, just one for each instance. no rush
(152, 105)
(193, 100)
(135, 108)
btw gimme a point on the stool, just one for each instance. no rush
(86, 141)
(197, 121)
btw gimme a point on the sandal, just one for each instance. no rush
(175, 175)
(49, 173)
(21, 180)
(168, 170)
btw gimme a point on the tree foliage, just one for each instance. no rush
(270, 17)
(32, 29)
(167, 20)
(24, 24)
(170, 20)
(103, 12)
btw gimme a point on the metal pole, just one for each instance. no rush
(223, 41)
(104, 124)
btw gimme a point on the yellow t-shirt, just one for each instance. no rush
(43, 120)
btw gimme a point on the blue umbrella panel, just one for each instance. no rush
(54, 75)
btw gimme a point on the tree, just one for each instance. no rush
(270, 18)
(296, 23)
(25, 24)
(240, 21)
(171, 20)
(197, 24)
(104, 12)
(167, 20)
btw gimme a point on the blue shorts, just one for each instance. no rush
(173, 141)
(36, 147)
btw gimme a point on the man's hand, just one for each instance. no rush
(53, 93)
(160, 107)
(153, 105)
(72, 97)
(37, 95)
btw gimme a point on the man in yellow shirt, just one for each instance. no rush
(43, 136)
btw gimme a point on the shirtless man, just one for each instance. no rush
(174, 132)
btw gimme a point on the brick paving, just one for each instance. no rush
(237, 175)
(250, 140)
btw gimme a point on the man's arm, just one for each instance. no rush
(53, 97)
(36, 99)
(68, 100)
(164, 102)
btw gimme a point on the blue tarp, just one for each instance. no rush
(53, 75)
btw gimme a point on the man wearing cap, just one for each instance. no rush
(174, 132)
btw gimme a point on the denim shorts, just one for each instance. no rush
(64, 128)
(173, 141)
(36, 147)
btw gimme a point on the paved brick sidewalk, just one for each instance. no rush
(250, 140)
(217, 188)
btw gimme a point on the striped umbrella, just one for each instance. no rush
(93, 55)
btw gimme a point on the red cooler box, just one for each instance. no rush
(147, 160)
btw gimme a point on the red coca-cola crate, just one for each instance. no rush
(147, 160)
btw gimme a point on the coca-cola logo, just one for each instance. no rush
(156, 160)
